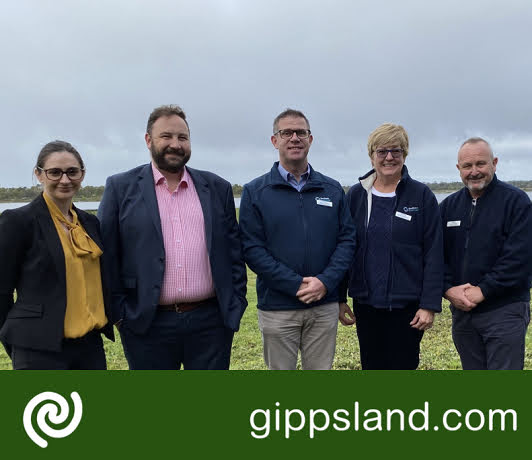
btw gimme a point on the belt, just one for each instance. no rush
(186, 306)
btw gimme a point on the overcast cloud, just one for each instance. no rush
(90, 72)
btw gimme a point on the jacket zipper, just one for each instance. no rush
(303, 217)
(466, 246)
(366, 223)
(390, 276)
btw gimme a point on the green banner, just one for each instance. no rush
(241, 414)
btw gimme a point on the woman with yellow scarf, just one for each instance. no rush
(52, 293)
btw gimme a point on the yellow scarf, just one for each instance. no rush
(84, 308)
(81, 242)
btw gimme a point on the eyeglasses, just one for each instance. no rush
(56, 174)
(288, 133)
(383, 153)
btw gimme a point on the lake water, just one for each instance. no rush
(85, 205)
(93, 205)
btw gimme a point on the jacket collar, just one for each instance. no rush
(487, 192)
(368, 179)
(314, 179)
(147, 187)
(53, 243)
(147, 190)
(204, 195)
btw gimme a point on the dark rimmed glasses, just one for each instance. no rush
(288, 133)
(383, 153)
(56, 174)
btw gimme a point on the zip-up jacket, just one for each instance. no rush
(488, 243)
(416, 263)
(287, 235)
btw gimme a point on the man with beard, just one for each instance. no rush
(487, 229)
(172, 246)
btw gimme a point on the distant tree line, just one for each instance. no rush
(22, 194)
(447, 187)
(237, 190)
(525, 185)
(91, 193)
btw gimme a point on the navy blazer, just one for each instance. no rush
(33, 264)
(132, 235)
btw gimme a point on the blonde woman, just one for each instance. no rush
(396, 277)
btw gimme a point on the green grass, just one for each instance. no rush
(437, 348)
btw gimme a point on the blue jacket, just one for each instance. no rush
(287, 235)
(133, 240)
(489, 245)
(416, 266)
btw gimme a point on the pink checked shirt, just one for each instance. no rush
(187, 272)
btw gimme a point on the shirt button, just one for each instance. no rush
(180, 289)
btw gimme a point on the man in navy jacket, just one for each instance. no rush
(488, 255)
(298, 238)
(177, 274)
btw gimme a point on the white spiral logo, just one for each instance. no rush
(50, 409)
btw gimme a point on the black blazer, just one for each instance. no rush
(133, 239)
(33, 264)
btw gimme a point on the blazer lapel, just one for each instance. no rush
(204, 195)
(147, 190)
(53, 243)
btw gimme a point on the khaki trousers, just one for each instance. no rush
(311, 330)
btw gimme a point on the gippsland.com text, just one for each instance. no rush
(285, 422)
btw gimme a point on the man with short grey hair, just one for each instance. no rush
(298, 238)
(487, 228)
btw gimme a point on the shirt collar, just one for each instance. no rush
(287, 175)
(159, 179)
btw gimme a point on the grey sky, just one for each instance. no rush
(90, 72)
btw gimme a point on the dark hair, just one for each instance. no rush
(165, 111)
(289, 113)
(57, 146)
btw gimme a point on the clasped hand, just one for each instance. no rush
(464, 297)
(311, 290)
